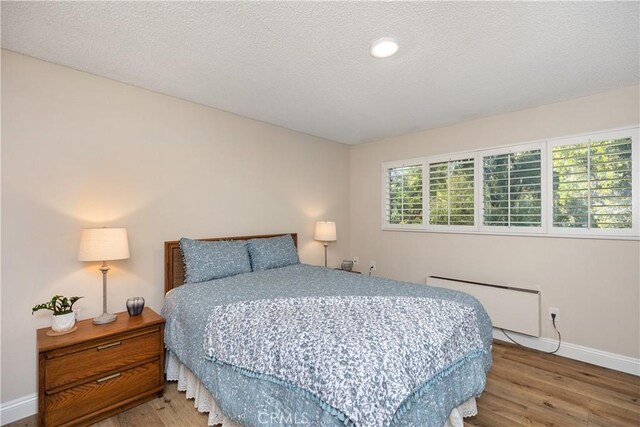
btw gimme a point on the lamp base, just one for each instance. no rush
(104, 318)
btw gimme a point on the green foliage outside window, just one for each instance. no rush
(404, 195)
(512, 189)
(451, 192)
(592, 185)
(591, 188)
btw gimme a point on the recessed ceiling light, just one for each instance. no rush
(384, 47)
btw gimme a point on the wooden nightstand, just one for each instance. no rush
(99, 370)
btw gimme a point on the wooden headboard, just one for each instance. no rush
(174, 263)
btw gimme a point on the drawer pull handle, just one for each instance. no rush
(113, 344)
(108, 377)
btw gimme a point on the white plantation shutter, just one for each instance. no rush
(512, 189)
(403, 195)
(451, 192)
(582, 186)
(592, 185)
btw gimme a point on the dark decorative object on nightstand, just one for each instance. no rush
(347, 265)
(135, 306)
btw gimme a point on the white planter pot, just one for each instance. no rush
(63, 322)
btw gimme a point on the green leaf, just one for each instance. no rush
(58, 304)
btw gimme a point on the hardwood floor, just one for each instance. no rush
(525, 387)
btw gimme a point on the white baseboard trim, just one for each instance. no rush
(576, 352)
(18, 409)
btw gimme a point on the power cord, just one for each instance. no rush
(370, 270)
(553, 320)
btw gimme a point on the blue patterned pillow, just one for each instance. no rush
(213, 260)
(273, 252)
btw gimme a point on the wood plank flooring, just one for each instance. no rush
(527, 387)
(524, 388)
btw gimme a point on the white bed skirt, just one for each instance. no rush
(204, 402)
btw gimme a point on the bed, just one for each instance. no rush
(259, 347)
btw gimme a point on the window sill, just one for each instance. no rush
(515, 234)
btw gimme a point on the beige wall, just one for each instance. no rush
(82, 151)
(595, 283)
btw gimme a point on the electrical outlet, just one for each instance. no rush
(372, 265)
(556, 311)
(356, 260)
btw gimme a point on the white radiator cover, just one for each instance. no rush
(514, 309)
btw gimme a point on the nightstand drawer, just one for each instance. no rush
(97, 395)
(81, 362)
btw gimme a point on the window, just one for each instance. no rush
(583, 186)
(451, 193)
(403, 195)
(593, 184)
(512, 189)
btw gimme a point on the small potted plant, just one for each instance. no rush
(63, 318)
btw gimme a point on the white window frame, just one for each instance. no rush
(395, 164)
(635, 184)
(426, 214)
(492, 229)
(547, 229)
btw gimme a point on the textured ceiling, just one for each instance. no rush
(306, 65)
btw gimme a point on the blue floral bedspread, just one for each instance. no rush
(407, 354)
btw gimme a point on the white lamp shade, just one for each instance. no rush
(325, 231)
(103, 244)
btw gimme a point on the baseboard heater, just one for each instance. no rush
(514, 309)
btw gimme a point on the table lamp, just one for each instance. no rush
(103, 244)
(325, 233)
